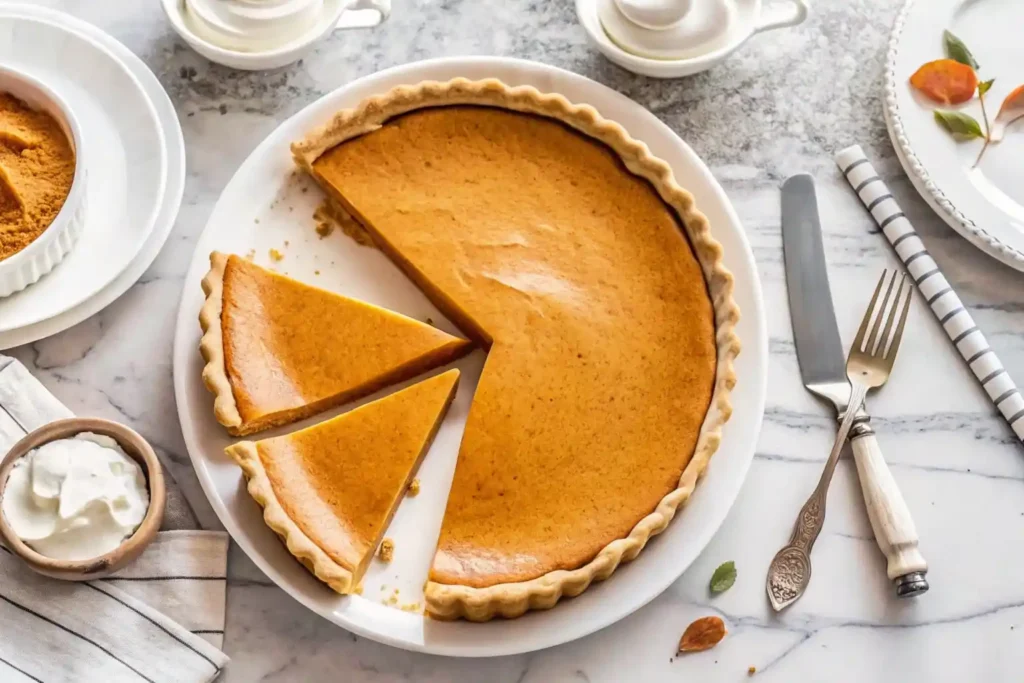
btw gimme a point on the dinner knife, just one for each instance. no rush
(819, 352)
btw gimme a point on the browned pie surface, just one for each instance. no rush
(291, 350)
(340, 481)
(537, 241)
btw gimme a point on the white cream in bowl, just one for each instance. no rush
(75, 498)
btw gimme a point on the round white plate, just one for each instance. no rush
(267, 204)
(126, 152)
(166, 206)
(984, 204)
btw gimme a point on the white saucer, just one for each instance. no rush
(738, 19)
(123, 142)
(155, 215)
(265, 205)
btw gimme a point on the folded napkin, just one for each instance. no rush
(159, 619)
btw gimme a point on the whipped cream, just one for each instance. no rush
(252, 25)
(75, 499)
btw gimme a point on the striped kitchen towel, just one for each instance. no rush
(968, 339)
(159, 619)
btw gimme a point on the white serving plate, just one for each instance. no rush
(166, 206)
(267, 189)
(125, 148)
(984, 204)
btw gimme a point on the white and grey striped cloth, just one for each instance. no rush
(159, 619)
(945, 304)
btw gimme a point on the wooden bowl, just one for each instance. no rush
(96, 568)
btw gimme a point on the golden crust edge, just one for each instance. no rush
(211, 346)
(298, 544)
(445, 601)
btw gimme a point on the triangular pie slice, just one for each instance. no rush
(329, 491)
(278, 350)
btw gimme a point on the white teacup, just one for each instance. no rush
(266, 34)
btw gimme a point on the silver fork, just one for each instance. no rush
(868, 367)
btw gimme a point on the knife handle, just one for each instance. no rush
(890, 518)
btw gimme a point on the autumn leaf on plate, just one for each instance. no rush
(955, 49)
(1011, 111)
(962, 126)
(946, 81)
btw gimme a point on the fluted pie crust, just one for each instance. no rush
(510, 599)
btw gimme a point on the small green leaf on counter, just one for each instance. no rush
(961, 125)
(955, 49)
(724, 577)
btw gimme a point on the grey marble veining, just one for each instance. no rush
(785, 103)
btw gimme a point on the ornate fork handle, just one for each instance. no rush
(812, 514)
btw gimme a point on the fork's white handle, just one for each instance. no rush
(889, 515)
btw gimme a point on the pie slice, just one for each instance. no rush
(565, 248)
(329, 491)
(278, 350)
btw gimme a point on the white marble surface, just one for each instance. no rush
(784, 104)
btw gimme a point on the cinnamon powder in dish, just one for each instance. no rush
(37, 165)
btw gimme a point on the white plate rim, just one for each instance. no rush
(919, 176)
(754, 385)
(166, 211)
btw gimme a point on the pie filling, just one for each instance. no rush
(540, 244)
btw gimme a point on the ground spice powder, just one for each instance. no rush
(37, 166)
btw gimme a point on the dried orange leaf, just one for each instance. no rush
(1011, 111)
(702, 634)
(946, 81)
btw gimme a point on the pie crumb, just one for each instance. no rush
(316, 272)
(386, 551)
(410, 607)
(414, 488)
(751, 671)
(275, 255)
(358, 590)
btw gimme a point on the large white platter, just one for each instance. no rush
(166, 205)
(265, 189)
(124, 149)
(984, 204)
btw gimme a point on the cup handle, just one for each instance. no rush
(364, 14)
(780, 16)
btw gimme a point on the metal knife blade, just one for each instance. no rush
(819, 349)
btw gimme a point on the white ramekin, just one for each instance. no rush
(40, 257)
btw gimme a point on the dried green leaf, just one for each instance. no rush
(955, 49)
(985, 86)
(724, 577)
(962, 126)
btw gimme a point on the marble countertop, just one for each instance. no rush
(783, 104)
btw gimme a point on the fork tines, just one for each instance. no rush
(895, 312)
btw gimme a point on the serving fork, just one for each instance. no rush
(868, 366)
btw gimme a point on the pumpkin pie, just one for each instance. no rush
(278, 350)
(561, 245)
(329, 491)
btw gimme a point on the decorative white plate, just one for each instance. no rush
(165, 206)
(268, 204)
(126, 152)
(984, 204)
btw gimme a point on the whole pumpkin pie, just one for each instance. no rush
(329, 491)
(278, 350)
(562, 246)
